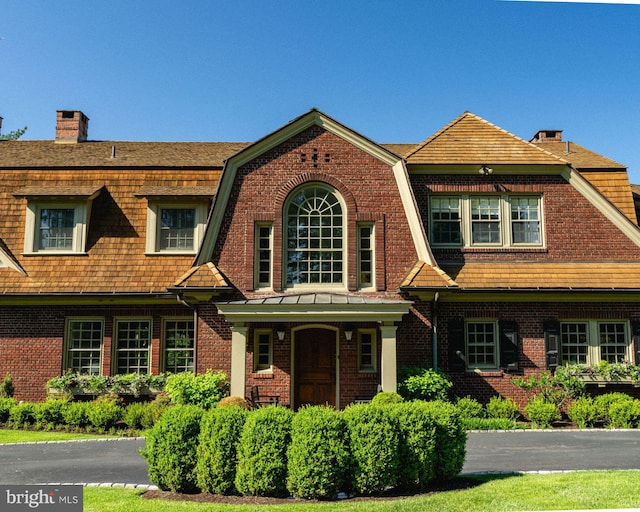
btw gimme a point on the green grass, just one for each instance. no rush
(29, 436)
(560, 491)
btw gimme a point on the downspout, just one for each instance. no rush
(434, 335)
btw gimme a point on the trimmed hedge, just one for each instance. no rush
(318, 456)
(171, 447)
(262, 452)
(220, 432)
(451, 439)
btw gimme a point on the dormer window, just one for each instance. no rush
(57, 218)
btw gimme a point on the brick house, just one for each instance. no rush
(314, 262)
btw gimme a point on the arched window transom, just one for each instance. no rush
(315, 237)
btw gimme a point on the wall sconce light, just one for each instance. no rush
(485, 170)
(280, 332)
(348, 332)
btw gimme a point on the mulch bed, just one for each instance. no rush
(456, 484)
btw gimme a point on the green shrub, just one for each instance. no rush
(624, 414)
(262, 452)
(23, 413)
(374, 442)
(230, 401)
(417, 444)
(104, 412)
(583, 412)
(134, 414)
(7, 389)
(470, 408)
(488, 424)
(603, 404)
(50, 411)
(386, 397)
(220, 431)
(318, 457)
(451, 439)
(505, 408)
(171, 448)
(5, 408)
(204, 390)
(77, 414)
(156, 408)
(541, 413)
(424, 384)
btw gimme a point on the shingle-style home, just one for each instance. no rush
(314, 262)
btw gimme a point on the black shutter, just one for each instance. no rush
(552, 343)
(509, 345)
(457, 361)
(635, 332)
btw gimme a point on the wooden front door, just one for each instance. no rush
(315, 367)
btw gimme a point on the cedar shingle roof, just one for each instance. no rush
(471, 140)
(424, 275)
(578, 156)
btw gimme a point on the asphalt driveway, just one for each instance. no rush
(117, 461)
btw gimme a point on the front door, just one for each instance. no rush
(315, 367)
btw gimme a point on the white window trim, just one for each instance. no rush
(593, 338)
(496, 344)
(114, 337)
(32, 228)
(256, 256)
(256, 344)
(67, 338)
(153, 226)
(506, 234)
(163, 340)
(372, 285)
(374, 351)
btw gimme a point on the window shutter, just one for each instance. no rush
(552, 343)
(457, 361)
(635, 332)
(509, 345)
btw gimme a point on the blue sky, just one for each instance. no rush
(395, 71)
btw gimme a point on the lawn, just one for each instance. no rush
(29, 436)
(558, 491)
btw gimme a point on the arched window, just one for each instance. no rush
(314, 245)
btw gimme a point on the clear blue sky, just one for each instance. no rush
(395, 71)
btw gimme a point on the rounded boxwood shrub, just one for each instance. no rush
(424, 384)
(134, 414)
(417, 443)
(499, 407)
(156, 408)
(386, 397)
(76, 414)
(171, 448)
(104, 412)
(231, 401)
(603, 404)
(451, 439)
(318, 457)
(583, 412)
(5, 408)
(23, 413)
(50, 411)
(374, 443)
(220, 431)
(204, 390)
(262, 452)
(470, 408)
(624, 413)
(541, 413)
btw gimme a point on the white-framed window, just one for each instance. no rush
(132, 345)
(500, 220)
(179, 345)
(263, 256)
(83, 344)
(366, 267)
(592, 341)
(262, 350)
(481, 340)
(367, 350)
(56, 227)
(315, 238)
(174, 228)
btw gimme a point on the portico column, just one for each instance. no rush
(238, 359)
(389, 379)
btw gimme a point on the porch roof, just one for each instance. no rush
(315, 307)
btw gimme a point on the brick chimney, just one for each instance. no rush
(71, 126)
(547, 136)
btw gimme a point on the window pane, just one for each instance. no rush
(613, 342)
(56, 228)
(309, 209)
(365, 255)
(485, 220)
(263, 256)
(481, 344)
(84, 345)
(262, 354)
(179, 346)
(575, 343)
(366, 351)
(133, 340)
(525, 220)
(177, 227)
(445, 219)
